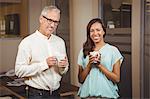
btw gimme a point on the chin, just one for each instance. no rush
(96, 41)
(49, 32)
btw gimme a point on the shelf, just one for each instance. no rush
(8, 36)
(10, 1)
(13, 7)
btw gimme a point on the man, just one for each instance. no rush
(37, 58)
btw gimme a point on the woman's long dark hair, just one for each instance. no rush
(89, 45)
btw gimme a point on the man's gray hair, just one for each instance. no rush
(46, 9)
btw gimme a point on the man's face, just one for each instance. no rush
(49, 23)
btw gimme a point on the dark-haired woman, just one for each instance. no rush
(99, 79)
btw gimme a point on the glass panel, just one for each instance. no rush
(117, 13)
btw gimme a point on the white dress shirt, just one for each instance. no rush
(31, 60)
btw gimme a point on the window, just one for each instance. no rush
(116, 13)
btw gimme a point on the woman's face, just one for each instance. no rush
(96, 32)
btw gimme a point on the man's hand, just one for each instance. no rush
(62, 64)
(51, 61)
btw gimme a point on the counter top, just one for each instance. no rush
(66, 90)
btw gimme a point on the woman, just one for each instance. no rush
(98, 80)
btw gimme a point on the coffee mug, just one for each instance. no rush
(60, 57)
(96, 56)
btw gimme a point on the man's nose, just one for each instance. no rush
(52, 24)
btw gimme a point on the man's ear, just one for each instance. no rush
(40, 19)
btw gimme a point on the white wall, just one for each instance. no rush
(8, 52)
(81, 11)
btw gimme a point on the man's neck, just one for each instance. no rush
(47, 35)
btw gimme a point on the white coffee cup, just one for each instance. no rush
(60, 57)
(96, 55)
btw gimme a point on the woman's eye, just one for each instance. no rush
(91, 30)
(98, 29)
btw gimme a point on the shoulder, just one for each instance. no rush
(28, 39)
(114, 50)
(81, 52)
(57, 38)
(111, 47)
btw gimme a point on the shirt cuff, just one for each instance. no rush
(44, 66)
(65, 70)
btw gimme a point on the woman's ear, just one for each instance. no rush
(104, 34)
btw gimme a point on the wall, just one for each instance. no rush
(140, 68)
(8, 51)
(34, 6)
(136, 39)
(81, 11)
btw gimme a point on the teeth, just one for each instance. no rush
(96, 37)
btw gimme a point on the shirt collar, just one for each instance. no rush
(41, 35)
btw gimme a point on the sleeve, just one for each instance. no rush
(23, 65)
(80, 58)
(116, 55)
(63, 51)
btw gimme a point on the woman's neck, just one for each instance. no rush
(99, 45)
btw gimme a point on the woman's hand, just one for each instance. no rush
(94, 59)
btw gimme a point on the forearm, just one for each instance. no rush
(25, 66)
(110, 75)
(84, 73)
(27, 70)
